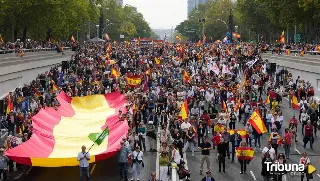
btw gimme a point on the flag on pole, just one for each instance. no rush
(115, 73)
(186, 77)
(72, 39)
(157, 61)
(55, 88)
(282, 37)
(107, 37)
(99, 137)
(10, 105)
(1, 40)
(184, 110)
(256, 121)
(295, 103)
(178, 38)
(139, 41)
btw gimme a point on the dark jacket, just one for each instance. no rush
(205, 179)
(264, 171)
(233, 139)
(222, 149)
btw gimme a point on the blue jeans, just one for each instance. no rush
(86, 170)
(233, 152)
(287, 150)
(123, 169)
(269, 126)
(246, 117)
(257, 140)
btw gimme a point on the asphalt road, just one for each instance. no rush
(13, 59)
(313, 60)
(254, 168)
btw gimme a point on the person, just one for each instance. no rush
(190, 135)
(205, 148)
(142, 136)
(133, 140)
(269, 121)
(154, 177)
(274, 139)
(269, 149)
(277, 174)
(123, 159)
(226, 138)
(208, 176)
(137, 163)
(305, 160)
(308, 135)
(3, 165)
(243, 161)
(201, 132)
(163, 162)
(222, 153)
(264, 171)
(152, 137)
(176, 157)
(235, 140)
(287, 141)
(83, 158)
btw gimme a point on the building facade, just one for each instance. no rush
(192, 4)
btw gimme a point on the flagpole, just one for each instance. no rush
(95, 142)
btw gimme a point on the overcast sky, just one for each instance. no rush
(161, 14)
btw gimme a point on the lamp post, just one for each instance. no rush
(97, 31)
(236, 30)
(231, 25)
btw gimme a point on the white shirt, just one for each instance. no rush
(83, 162)
(272, 152)
(185, 126)
(139, 157)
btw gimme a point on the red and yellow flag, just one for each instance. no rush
(156, 60)
(267, 101)
(87, 118)
(256, 121)
(282, 37)
(244, 153)
(10, 105)
(72, 39)
(241, 132)
(178, 38)
(294, 102)
(139, 41)
(107, 37)
(186, 77)
(198, 44)
(148, 71)
(1, 40)
(224, 106)
(115, 73)
(318, 47)
(55, 88)
(184, 110)
(134, 80)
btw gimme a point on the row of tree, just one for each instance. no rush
(59, 19)
(256, 20)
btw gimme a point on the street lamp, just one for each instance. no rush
(97, 31)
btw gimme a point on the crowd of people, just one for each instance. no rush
(221, 84)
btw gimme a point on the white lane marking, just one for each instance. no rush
(4, 135)
(157, 160)
(318, 175)
(286, 98)
(28, 170)
(298, 151)
(252, 174)
(18, 177)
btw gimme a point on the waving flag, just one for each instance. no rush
(156, 60)
(148, 71)
(224, 106)
(184, 110)
(186, 77)
(115, 73)
(107, 37)
(267, 101)
(55, 88)
(10, 105)
(295, 103)
(256, 121)
(241, 132)
(73, 39)
(134, 81)
(282, 37)
(1, 40)
(244, 153)
(178, 38)
(59, 134)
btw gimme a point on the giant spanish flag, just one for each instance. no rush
(134, 80)
(184, 110)
(244, 153)
(59, 134)
(294, 102)
(256, 121)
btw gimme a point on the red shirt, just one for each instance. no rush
(205, 118)
(273, 95)
(294, 120)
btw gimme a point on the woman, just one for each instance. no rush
(133, 140)
(293, 130)
(306, 162)
(242, 160)
(142, 136)
(287, 141)
(249, 131)
(137, 163)
(303, 119)
(280, 175)
(280, 119)
(264, 172)
(222, 153)
(176, 157)
(163, 162)
(190, 135)
(269, 121)
(164, 147)
(274, 140)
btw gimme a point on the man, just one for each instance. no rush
(122, 160)
(3, 165)
(205, 148)
(208, 176)
(83, 158)
(154, 177)
(270, 150)
(235, 140)
(226, 138)
(308, 134)
(185, 127)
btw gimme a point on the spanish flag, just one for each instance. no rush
(109, 47)
(134, 81)
(282, 37)
(186, 77)
(198, 44)
(156, 60)
(72, 39)
(107, 37)
(10, 105)
(224, 106)
(228, 51)
(318, 47)
(1, 40)
(184, 110)
(139, 41)
(241, 132)
(256, 121)
(244, 153)
(115, 73)
(94, 121)
(178, 38)
(55, 88)
(294, 102)
(267, 101)
(148, 72)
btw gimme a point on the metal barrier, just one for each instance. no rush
(31, 50)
